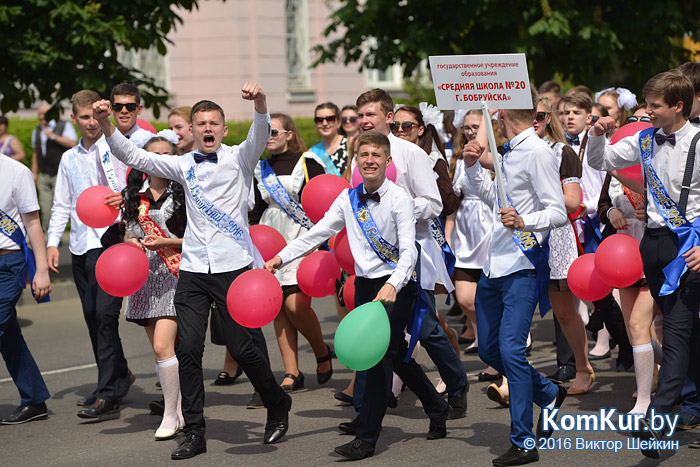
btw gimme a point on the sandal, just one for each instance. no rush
(297, 384)
(323, 378)
(224, 379)
(578, 391)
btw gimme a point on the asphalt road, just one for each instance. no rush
(58, 339)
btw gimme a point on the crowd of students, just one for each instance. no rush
(439, 228)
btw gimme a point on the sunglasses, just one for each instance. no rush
(276, 133)
(349, 119)
(330, 119)
(633, 119)
(405, 126)
(539, 116)
(131, 107)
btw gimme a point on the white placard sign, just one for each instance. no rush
(465, 81)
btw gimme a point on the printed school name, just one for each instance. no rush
(487, 86)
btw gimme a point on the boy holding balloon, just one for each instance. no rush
(380, 222)
(216, 249)
(670, 248)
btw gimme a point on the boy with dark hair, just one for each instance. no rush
(670, 247)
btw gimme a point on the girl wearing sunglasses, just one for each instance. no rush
(332, 150)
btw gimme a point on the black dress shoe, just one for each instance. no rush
(483, 376)
(558, 400)
(592, 357)
(392, 402)
(278, 424)
(645, 433)
(87, 401)
(438, 428)
(124, 391)
(355, 450)
(458, 406)
(563, 375)
(26, 413)
(157, 407)
(349, 427)
(342, 397)
(517, 456)
(190, 447)
(323, 377)
(297, 384)
(102, 410)
(224, 379)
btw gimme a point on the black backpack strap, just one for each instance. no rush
(688, 175)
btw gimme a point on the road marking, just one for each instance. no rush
(60, 370)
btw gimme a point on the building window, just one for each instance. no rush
(297, 45)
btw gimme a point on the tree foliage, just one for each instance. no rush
(52, 48)
(599, 43)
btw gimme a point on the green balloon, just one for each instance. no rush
(362, 338)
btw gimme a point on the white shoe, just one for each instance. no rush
(167, 433)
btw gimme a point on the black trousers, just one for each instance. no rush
(193, 299)
(86, 283)
(681, 327)
(112, 369)
(379, 377)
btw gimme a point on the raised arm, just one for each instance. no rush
(252, 148)
(478, 177)
(624, 153)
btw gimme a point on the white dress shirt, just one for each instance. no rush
(531, 173)
(395, 221)
(17, 195)
(82, 237)
(591, 183)
(226, 184)
(668, 163)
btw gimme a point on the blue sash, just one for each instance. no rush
(11, 229)
(538, 255)
(591, 233)
(328, 165)
(281, 196)
(218, 218)
(389, 254)
(688, 234)
(438, 232)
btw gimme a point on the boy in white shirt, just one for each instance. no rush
(378, 206)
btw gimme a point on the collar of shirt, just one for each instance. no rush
(133, 130)
(381, 191)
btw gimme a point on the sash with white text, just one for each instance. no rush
(281, 196)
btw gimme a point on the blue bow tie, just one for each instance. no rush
(573, 141)
(208, 157)
(661, 139)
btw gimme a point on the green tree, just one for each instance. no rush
(52, 48)
(600, 43)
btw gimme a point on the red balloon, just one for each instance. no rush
(629, 130)
(122, 269)
(267, 240)
(584, 281)
(319, 194)
(92, 210)
(618, 261)
(254, 298)
(317, 274)
(342, 252)
(349, 293)
(143, 124)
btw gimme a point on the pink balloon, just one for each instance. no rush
(317, 274)
(267, 240)
(342, 252)
(122, 269)
(92, 210)
(146, 126)
(254, 298)
(390, 174)
(629, 130)
(584, 281)
(349, 293)
(319, 194)
(618, 261)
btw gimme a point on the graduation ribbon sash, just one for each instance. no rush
(76, 174)
(328, 165)
(218, 218)
(12, 230)
(108, 168)
(688, 234)
(281, 196)
(389, 254)
(591, 233)
(170, 256)
(438, 232)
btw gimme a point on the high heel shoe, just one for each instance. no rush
(577, 391)
(323, 377)
(297, 384)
